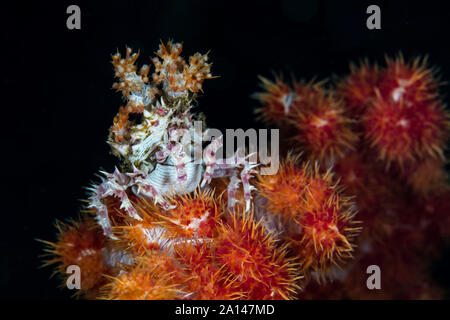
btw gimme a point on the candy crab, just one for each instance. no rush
(158, 140)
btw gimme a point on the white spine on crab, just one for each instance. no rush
(180, 159)
(175, 153)
(233, 186)
(118, 183)
(115, 185)
(228, 167)
(209, 158)
(102, 213)
(246, 175)
(142, 187)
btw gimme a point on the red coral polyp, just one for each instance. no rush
(412, 82)
(192, 215)
(276, 101)
(403, 133)
(284, 190)
(249, 252)
(357, 89)
(80, 243)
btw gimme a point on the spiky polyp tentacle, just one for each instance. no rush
(283, 190)
(405, 133)
(280, 100)
(141, 237)
(250, 253)
(325, 226)
(81, 244)
(324, 128)
(412, 82)
(152, 277)
(190, 216)
(358, 89)
(317, 218)
(276, 100)
(208, 279)
(406, 121)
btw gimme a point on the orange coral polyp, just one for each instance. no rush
(403, 133)
(276, 101)
(323, 227)
(284, 189)
(147, 280)
(242, 247)
(324, 220)
(136, 239)
(208, 280)
(412, 82)
(192, 215)
(249, 252)
(79, 243)
(325, 239)
(324, 129)
(357, 89)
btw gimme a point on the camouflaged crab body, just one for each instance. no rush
(157, 144)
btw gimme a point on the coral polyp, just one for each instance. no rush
(319, 218)
(316, 114)
(208, 279)
(327, 223)
(357, 89)
(79, 243)
(324, 128)
(406, 120)
(250, 253)
(191, 215)
(412, 82)
(403, 133)
(276, 101)
(150, 279)
(141, 237)
(284, 190)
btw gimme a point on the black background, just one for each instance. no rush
(57, 102)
